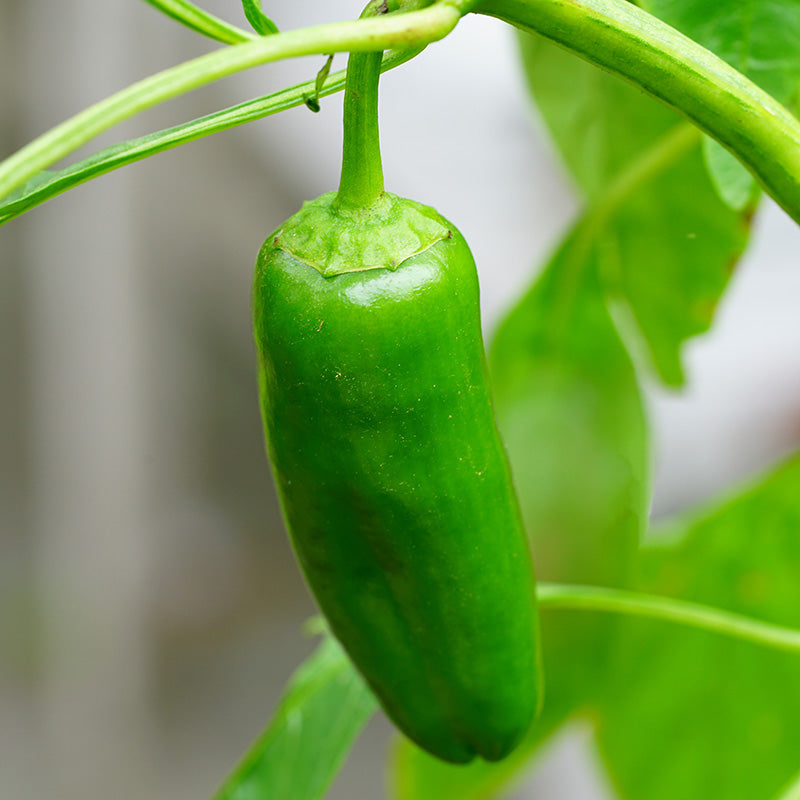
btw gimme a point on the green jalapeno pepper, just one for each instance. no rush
(392, 477)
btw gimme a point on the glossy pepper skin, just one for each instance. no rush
(396, 489)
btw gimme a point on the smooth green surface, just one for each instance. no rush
(396, 489)
(724, 714)
(664, 242)
(323, 709)
(791, 791)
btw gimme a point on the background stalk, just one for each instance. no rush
(361, 183)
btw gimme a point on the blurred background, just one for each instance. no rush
(150, 608)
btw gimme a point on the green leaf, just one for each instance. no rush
(692, 715)
(324, 708)
(260, 22)
(734, 184)
(760, 39)
(201, 21)
(666, 241)
(571, 415)
(670, 252)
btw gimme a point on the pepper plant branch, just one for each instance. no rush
(614, 34)
(50, 184)
(361, 181)
(401, 31)
(619, 601)
(627, 41)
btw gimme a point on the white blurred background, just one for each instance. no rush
(150, 609)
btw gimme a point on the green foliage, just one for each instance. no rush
(734, 184)
(722, 715)
(669, 242)
(323, 709)
(760, 39)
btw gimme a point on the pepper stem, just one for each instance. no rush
(361, 184)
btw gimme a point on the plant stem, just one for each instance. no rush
(361, 183)
(629, 42)
(401, 31)
(124, 153)
(619, 601)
